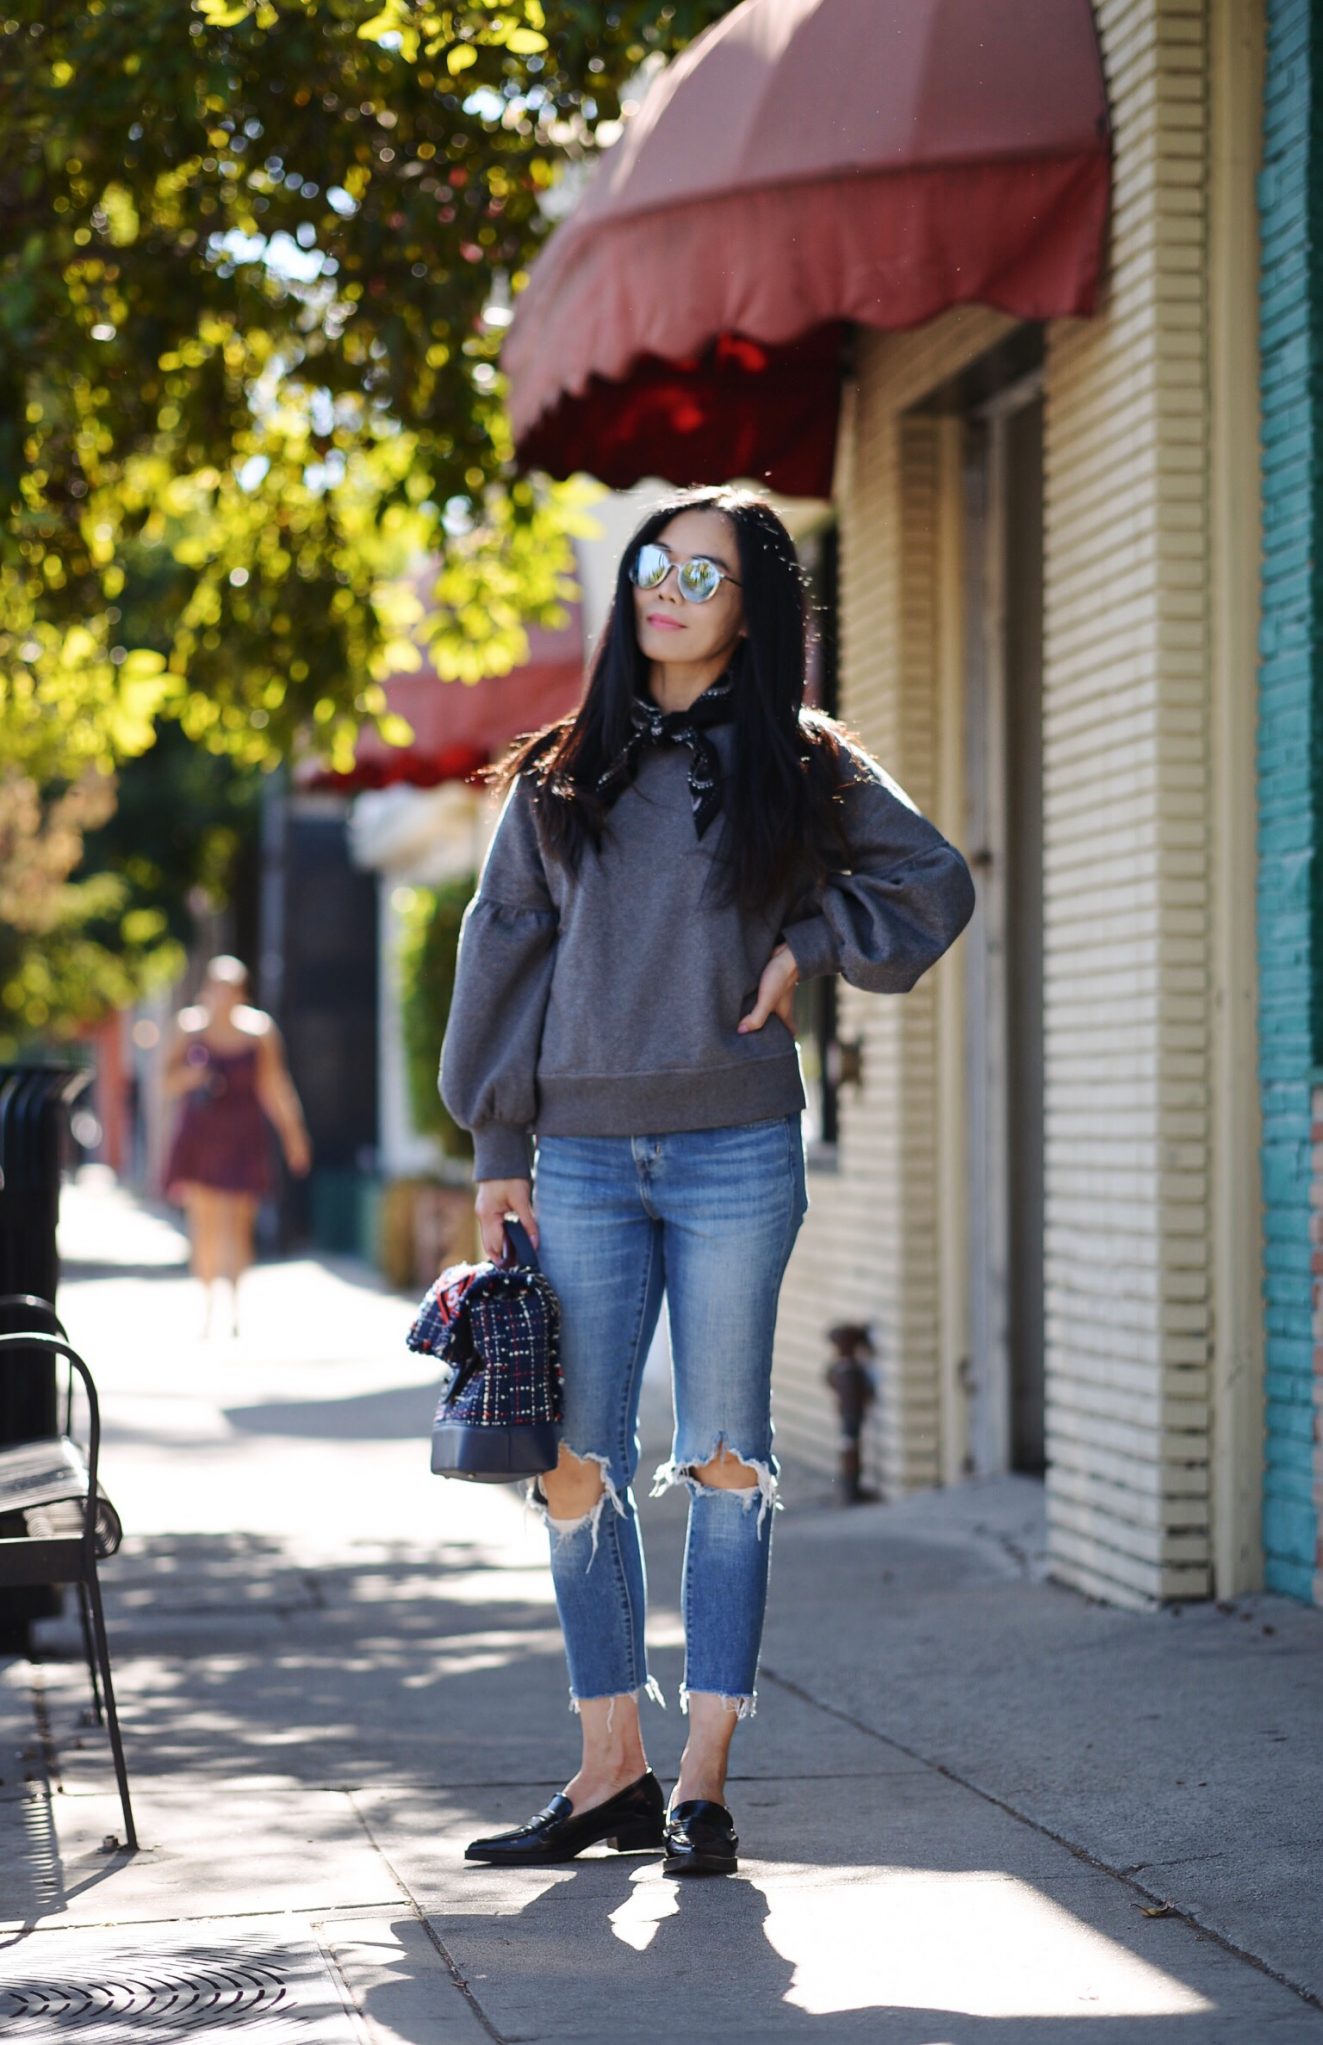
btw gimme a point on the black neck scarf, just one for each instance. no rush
(652, 726)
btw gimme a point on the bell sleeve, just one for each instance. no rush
(903, 899)
(507, 948)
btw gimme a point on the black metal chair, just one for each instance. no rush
(60, 1522)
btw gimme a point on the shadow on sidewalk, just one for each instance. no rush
(404, 1413)
(75, 1271)
(605, 1952)
(33, 1881)
(239, 1663)
(412, 1690)
(34, 1871)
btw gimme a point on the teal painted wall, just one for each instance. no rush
(1290, 765)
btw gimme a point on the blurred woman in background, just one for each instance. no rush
(227, 1063)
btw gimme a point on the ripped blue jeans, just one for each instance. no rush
(707, 1219)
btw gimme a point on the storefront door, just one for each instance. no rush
(1003, 554)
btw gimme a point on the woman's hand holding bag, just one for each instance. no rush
(497, 1198)
(496, 1327)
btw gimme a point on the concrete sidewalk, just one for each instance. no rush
(974, 1805)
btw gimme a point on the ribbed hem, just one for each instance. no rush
(502, 1152)
(659, 1103)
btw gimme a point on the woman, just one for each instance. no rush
(668, 864)
(227, 1061)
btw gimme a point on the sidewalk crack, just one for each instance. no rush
(458, 1978)
(1081, 1853)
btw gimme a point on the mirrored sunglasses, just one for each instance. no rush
(698, 577)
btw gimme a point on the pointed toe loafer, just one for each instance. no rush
(631, 1821)
(700, 1839)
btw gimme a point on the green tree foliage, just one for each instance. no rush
(101, 883)
(184, 830)
(72, 943)
(247, 251)
(255, 262)
(429, 946)
(100, 876)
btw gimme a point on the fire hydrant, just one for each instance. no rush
(851, 1380)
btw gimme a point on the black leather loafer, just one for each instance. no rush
(631, 1821)
(700, 1839)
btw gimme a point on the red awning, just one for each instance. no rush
(459, 727)
(805, 164)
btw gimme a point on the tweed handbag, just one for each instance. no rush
(496, 1328)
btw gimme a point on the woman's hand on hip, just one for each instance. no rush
(497, 1198)
(776, 992)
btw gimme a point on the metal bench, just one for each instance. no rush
(55, 1521)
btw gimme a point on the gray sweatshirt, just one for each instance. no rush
(605, 1003)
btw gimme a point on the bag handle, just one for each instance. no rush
(519, 1245)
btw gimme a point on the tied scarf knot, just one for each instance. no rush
(652, 726)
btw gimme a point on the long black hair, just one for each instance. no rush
(780, 813)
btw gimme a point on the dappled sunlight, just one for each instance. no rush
(276, 1848)
(636, 1921)
(479, 1651)
(238, 1662)
(334, 1671)
(32, 1884)
(474, 1587)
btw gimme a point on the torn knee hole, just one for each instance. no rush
(572, 1498)
(572, 1490)
(725, 1472)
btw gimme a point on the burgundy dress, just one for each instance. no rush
(222, 1139)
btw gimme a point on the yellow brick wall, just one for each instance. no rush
(1130, 963)
(1127, 911)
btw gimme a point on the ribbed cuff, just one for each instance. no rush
(814, 947)
(501, 1152)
